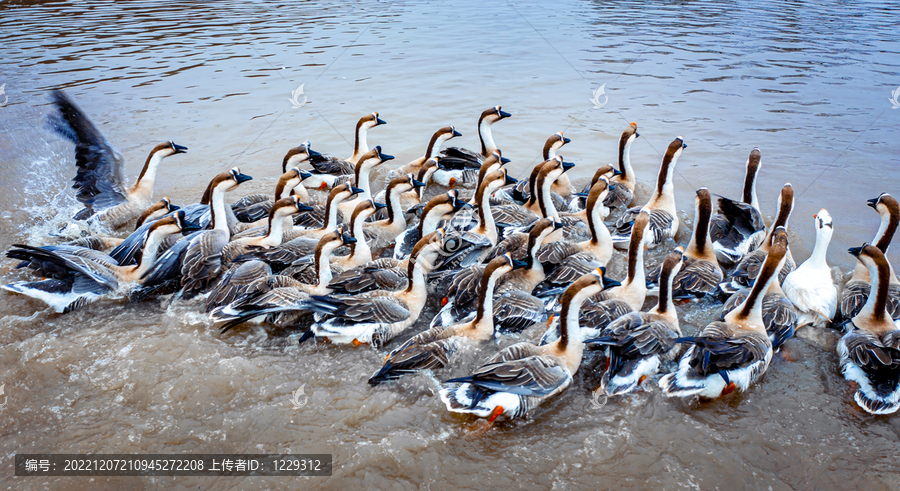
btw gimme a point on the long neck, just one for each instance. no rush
(362, 179)
(217, 212)
(148, 173)
(148, 256)
(275, 233)
(569, 329)
(485, 311)
(433, 146)
(323, 265)
(625, 160)
(428, 222)
(360, 247)
(395, 212)
(886, 231)
(416, 274)
(750, 187)
(545, 199)
(666, 305)
(330, 215)
(361, 145)
(635, 257)
(750, 312)
(664, 185)
(301, 192)
(700, 239)
(820, 250)
(487, 140)
(874, 308)
(486, 226)
(784, 212)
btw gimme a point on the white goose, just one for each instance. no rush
(810, 287)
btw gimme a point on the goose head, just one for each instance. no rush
(492, 115)
(167, 149)
(173, 224)
(373, 158)
(607, 171)
(288, 206)
(228, 181)
(342, 192)
(298, 155)
(428, 169)
(160, 208)
(629, 135)
(541, 230)
(501, 265)
(370, 121)
(553, 144)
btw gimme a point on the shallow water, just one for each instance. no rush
(807, 83)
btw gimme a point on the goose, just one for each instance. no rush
(562, 186)
(639, 342)
(279, 291)
(700, 275)
(870, 350)
(780, 317)
(577, 207)
(516, 308)
(494, 162)
(459, 165)
(194, 262)
(434, 145)
(78, 275)
(156, 211)
(382, 233)
(733, 353)
(624, 181)
(363, 168)
(617, 299)
(281, 211)
(432, 349)
(738, 228)
(663, 220)
(331, 171)
(856, 291)
(810, 287)
(376, 317)
(746, 271)
(105, 197)
(439, 208)
(253, 208)
(570, 260)
(360, 252)
(523, 376)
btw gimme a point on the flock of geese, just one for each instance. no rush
(504, 254)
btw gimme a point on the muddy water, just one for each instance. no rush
(807, 83)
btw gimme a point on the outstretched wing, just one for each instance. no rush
(99, 176)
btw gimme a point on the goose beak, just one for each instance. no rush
(346, 239)
(385, 157)
(637, 135)
(378, 122)
(189, 227)
(684, 145)
(379, 206)
(455, 133)
(312, 153)
(173, 208)
(580, 195)
(504, 114)
(566, 140)
(518, 264)
(355, 190)
(417, 184)
(243, 178)
(302, 208)
(611, 187)
(617, 172)
(557, 225)
(179, 148)
(304, 175)
(460, 204)
(872, 202)
(608, 283)
(511, 180)
(567, 165)
(855, 251)
(504, 160)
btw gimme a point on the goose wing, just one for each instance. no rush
(632, 336)
(516, 310)
(534, 376)
(202, 261)
(62, 262)
(719, 348)
(377, 307)
(99, 176)
(381, 274)
(236, 281)
(457, 158)
(332, 166)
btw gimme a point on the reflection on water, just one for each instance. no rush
(806, 82)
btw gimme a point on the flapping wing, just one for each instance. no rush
(99, 176)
